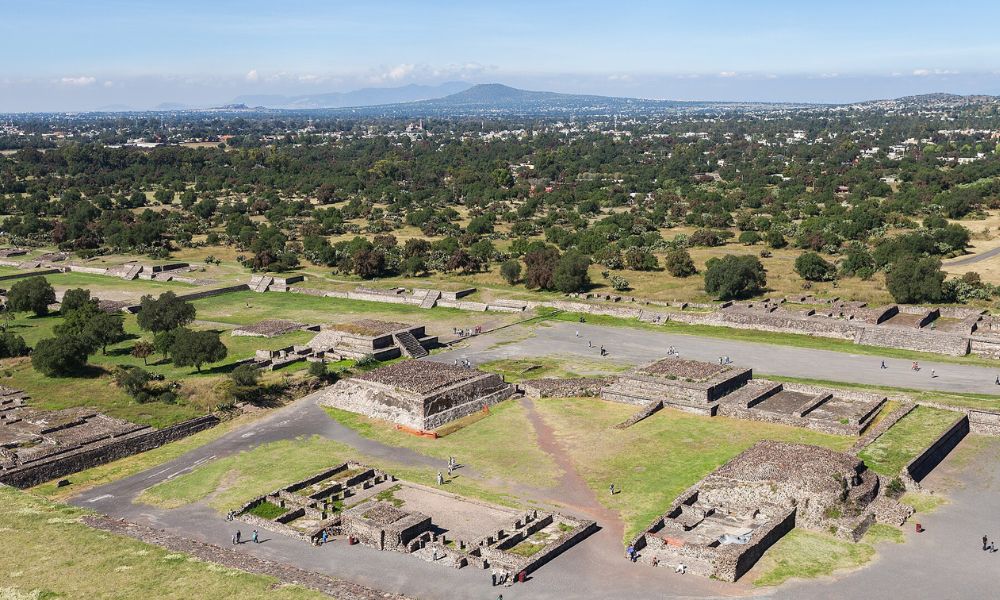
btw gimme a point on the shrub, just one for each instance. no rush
(749, 238)
(12, 345)
(510, 270)
(164, 313)
(540, 266)
(732, 277)
(245, 375)
(59, 356)
(679, 263)
(776, 240)
(914, 280)
(570, 274)
(195, 348)
(618, 283)
(641, 259)
(813, 267)
(33, 294)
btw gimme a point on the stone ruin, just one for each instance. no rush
(40, 445)
(271, 328)
(714, 389)
(376, 509)
(722, 525)
(382, 340)
(421, 395)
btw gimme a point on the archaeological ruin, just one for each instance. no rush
(716, 389)
(382, 340)
(723, 524)
(271, 328)
(422, 395)
(373, 508)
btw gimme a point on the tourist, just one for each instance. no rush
(577, 333)
(234, 541)
(933, 375)
(630, 553)
(440, 478)
(256, 540)
(998, 380)
(493, 576)
(681, 568)
(450, 467)
(883, 365)
(590, 344)
(985, 543)
(656, 561)
(236, 538)
(612, 489)
(323, 538)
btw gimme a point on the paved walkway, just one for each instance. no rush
(637, 346)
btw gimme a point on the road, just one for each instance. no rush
(941, 563)
(968, 260)
(636, 346)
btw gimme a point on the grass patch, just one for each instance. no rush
(94, 564)
(956, 399)
(228, 482)
(892, 450)
(922, 502)
(880, 532)
(805, 554)
(389, 496)
(687, 447)
(268, 510)
(525, 369)
(502, 446)
(526, 548)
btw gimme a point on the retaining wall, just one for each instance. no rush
(29, 274)
(78, 460)
(924, 463)
(214, 292)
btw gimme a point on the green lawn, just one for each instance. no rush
(51, 554)
(524, 369)
(227, 483)
(96, 389)
(806, 554)
(892, 450)
(957, 399)
(658, 458)
(502, 445)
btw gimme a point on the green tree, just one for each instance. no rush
(59, 356)
(33, 294)
(679, 263)
(196, 348)
(12, 345)
(75, 298)
(732, 277)
(164, 313)
(570, 274)
(540, 266)
(776, 240)
(813, 267)
(913, 280)
(641, 259)
(93, 326)
(510, 270)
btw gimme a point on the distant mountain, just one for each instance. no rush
(172, 106)
(357, 98)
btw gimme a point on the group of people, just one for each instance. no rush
(989, 546)
(238, 537)
(501, 577)
(590, 344)
(478, 329)
(463, 363)
(725, 360)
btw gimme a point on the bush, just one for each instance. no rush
(618, 283)
(641, 259)
(12, 345)
(571, 274)
(33, 294)
(59, 356)
(195, 348)
(510, 270)
(914, 280)
(707, 237)
(165, 313)
(813, 267)
(732, 277)
(318, 369)
(775, 240)
(749, 238)
(245, 375)
(679, 263)
(74, 299)
(540, 266)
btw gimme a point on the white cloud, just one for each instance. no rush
(727, 74)
(108, 83)
(926, 72)
(620, 77)
(252, 76)
(78, 81)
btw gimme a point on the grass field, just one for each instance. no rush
(807, 554)
(501, 445)
(892, 450)
(53, 555)
(524, 369)
(231, 481)
(658, 458)
(957, 399)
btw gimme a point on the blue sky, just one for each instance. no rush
(69, 55)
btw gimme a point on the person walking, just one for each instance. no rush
(577, 333)
(612, 489)
(440, 478)
(985, 543)
(933, 374)
(323, 538)
(256, 539)
(450, 467)
(234, 541)
(236, 538)
(883, 365)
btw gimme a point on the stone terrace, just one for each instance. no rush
(382, 340)
(419, 377)
(269, 328)
(687, 385)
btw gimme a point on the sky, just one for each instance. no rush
(71, 55)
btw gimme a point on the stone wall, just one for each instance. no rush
(580, 387)
(984, 422)
(30, 274)
(914, 339)
(734, 561)
(920, 466)
(78, 460)
(214, 292)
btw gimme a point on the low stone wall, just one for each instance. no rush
(914, 339)
(924, 463)
(214, 292)
(984, 422)
(30, 274)
(732, 564)
(72, 462)
(564, 543)
(882, 426)
(564, 388)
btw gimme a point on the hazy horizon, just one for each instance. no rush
(75, 57)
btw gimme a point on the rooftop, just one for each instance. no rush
(677, 368)
(420, 377)
(369, 327)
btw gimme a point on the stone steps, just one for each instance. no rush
(260, 283)
(646, 412)
(409, 345)
(430, 300)
(751, 394)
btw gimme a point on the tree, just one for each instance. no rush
(510, 270)
(33, 294)
(59, 356)
(12, 345)
(143, 349)
(776, 240)
(74, 299)
(813, 267)
(540, 266)
(679, 263)
(195, 348)
(913, 280)
(640, 259)
(163, 341)
(318, 370)
(733, 277)
(164, 313)
(570, 274)
(93, 327)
